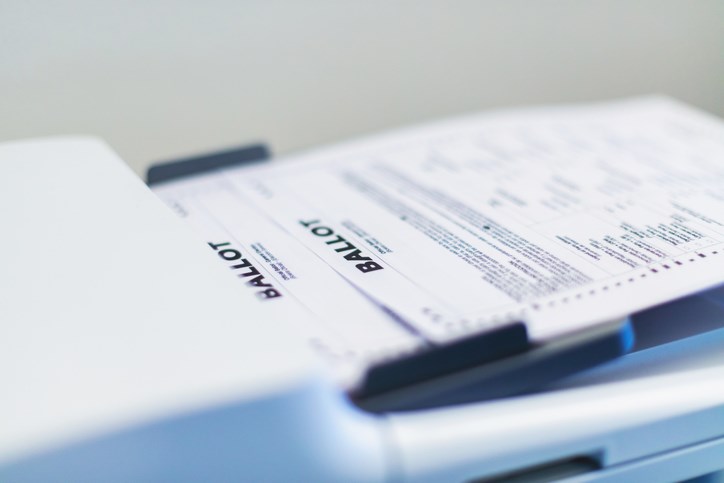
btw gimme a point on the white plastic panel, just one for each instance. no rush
(111, 312)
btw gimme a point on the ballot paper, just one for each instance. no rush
(339, 322)
(560, 217)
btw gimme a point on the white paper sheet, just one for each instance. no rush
(339, 322)
(561, 217)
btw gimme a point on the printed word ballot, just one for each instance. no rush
(559, 217)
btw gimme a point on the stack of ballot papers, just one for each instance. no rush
(562, 218)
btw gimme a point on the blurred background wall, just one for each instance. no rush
(159, 78)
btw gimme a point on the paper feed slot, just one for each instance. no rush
(497, 363)
(446, 359)
(521, 370)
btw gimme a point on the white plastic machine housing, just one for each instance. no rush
(128, 353)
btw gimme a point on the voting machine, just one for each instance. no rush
(126, 386)
(130, 354)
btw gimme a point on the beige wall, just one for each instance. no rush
(163, 78)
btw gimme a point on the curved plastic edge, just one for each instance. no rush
(309, 433)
